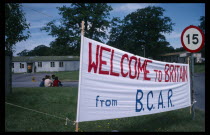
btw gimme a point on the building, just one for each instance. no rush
(32, 64)
(180, 57)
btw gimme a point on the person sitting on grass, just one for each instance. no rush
(47, 81)
(56, 82)
(53, 77)
(42, 83)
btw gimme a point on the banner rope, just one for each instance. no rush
(66, 119)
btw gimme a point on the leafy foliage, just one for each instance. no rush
(202, 27)
(15, 24)
(67, 33)
(202, 23)
(181, 49)
(24, 53)
(40, 50)
(142, 28)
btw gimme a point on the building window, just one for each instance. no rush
(52, 64)
(61, 64)
(39, 64)
(12, 65)
(21, 65)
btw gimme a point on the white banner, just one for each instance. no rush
(116, 84)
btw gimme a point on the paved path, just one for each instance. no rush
(199, 87)
(27, 77)
(36, 84)
(25, 80)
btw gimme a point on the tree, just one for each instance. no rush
(181, 49)
(24, 53)
(141, 29)
(202, 27)
(95, 16)
(202, 23)
(40, 50)
(15, 26)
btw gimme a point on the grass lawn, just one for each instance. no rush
(63, 75)
(62, 102)
(199, 68)
(68, 75)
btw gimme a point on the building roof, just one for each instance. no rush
(44, 58)
(172, 54)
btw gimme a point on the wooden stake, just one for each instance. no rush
(82, 28)
(190, 109)
(77, 126)
(82, 34)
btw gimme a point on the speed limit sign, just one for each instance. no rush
(192, 39)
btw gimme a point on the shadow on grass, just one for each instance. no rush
(172, 121)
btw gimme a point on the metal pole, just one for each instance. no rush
(192, 88)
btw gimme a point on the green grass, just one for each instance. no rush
(62, 102)
(68, 75)
(199, 68)
(63, 75)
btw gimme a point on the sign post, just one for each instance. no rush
(192, 88)
(192, 39)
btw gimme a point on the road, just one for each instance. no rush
(36, 84)
(199, 87)
(25, 80)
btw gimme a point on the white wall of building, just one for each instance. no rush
(17, 68)
(72, 66)
(67, 66)
(46, 66)
(197, 56)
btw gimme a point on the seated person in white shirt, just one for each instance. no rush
(47, 81)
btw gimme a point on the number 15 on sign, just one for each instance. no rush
(192, 39)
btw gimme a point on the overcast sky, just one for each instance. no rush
(38, 14)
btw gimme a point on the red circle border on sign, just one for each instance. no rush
(202, 44)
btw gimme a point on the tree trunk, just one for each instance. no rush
(8, 74)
